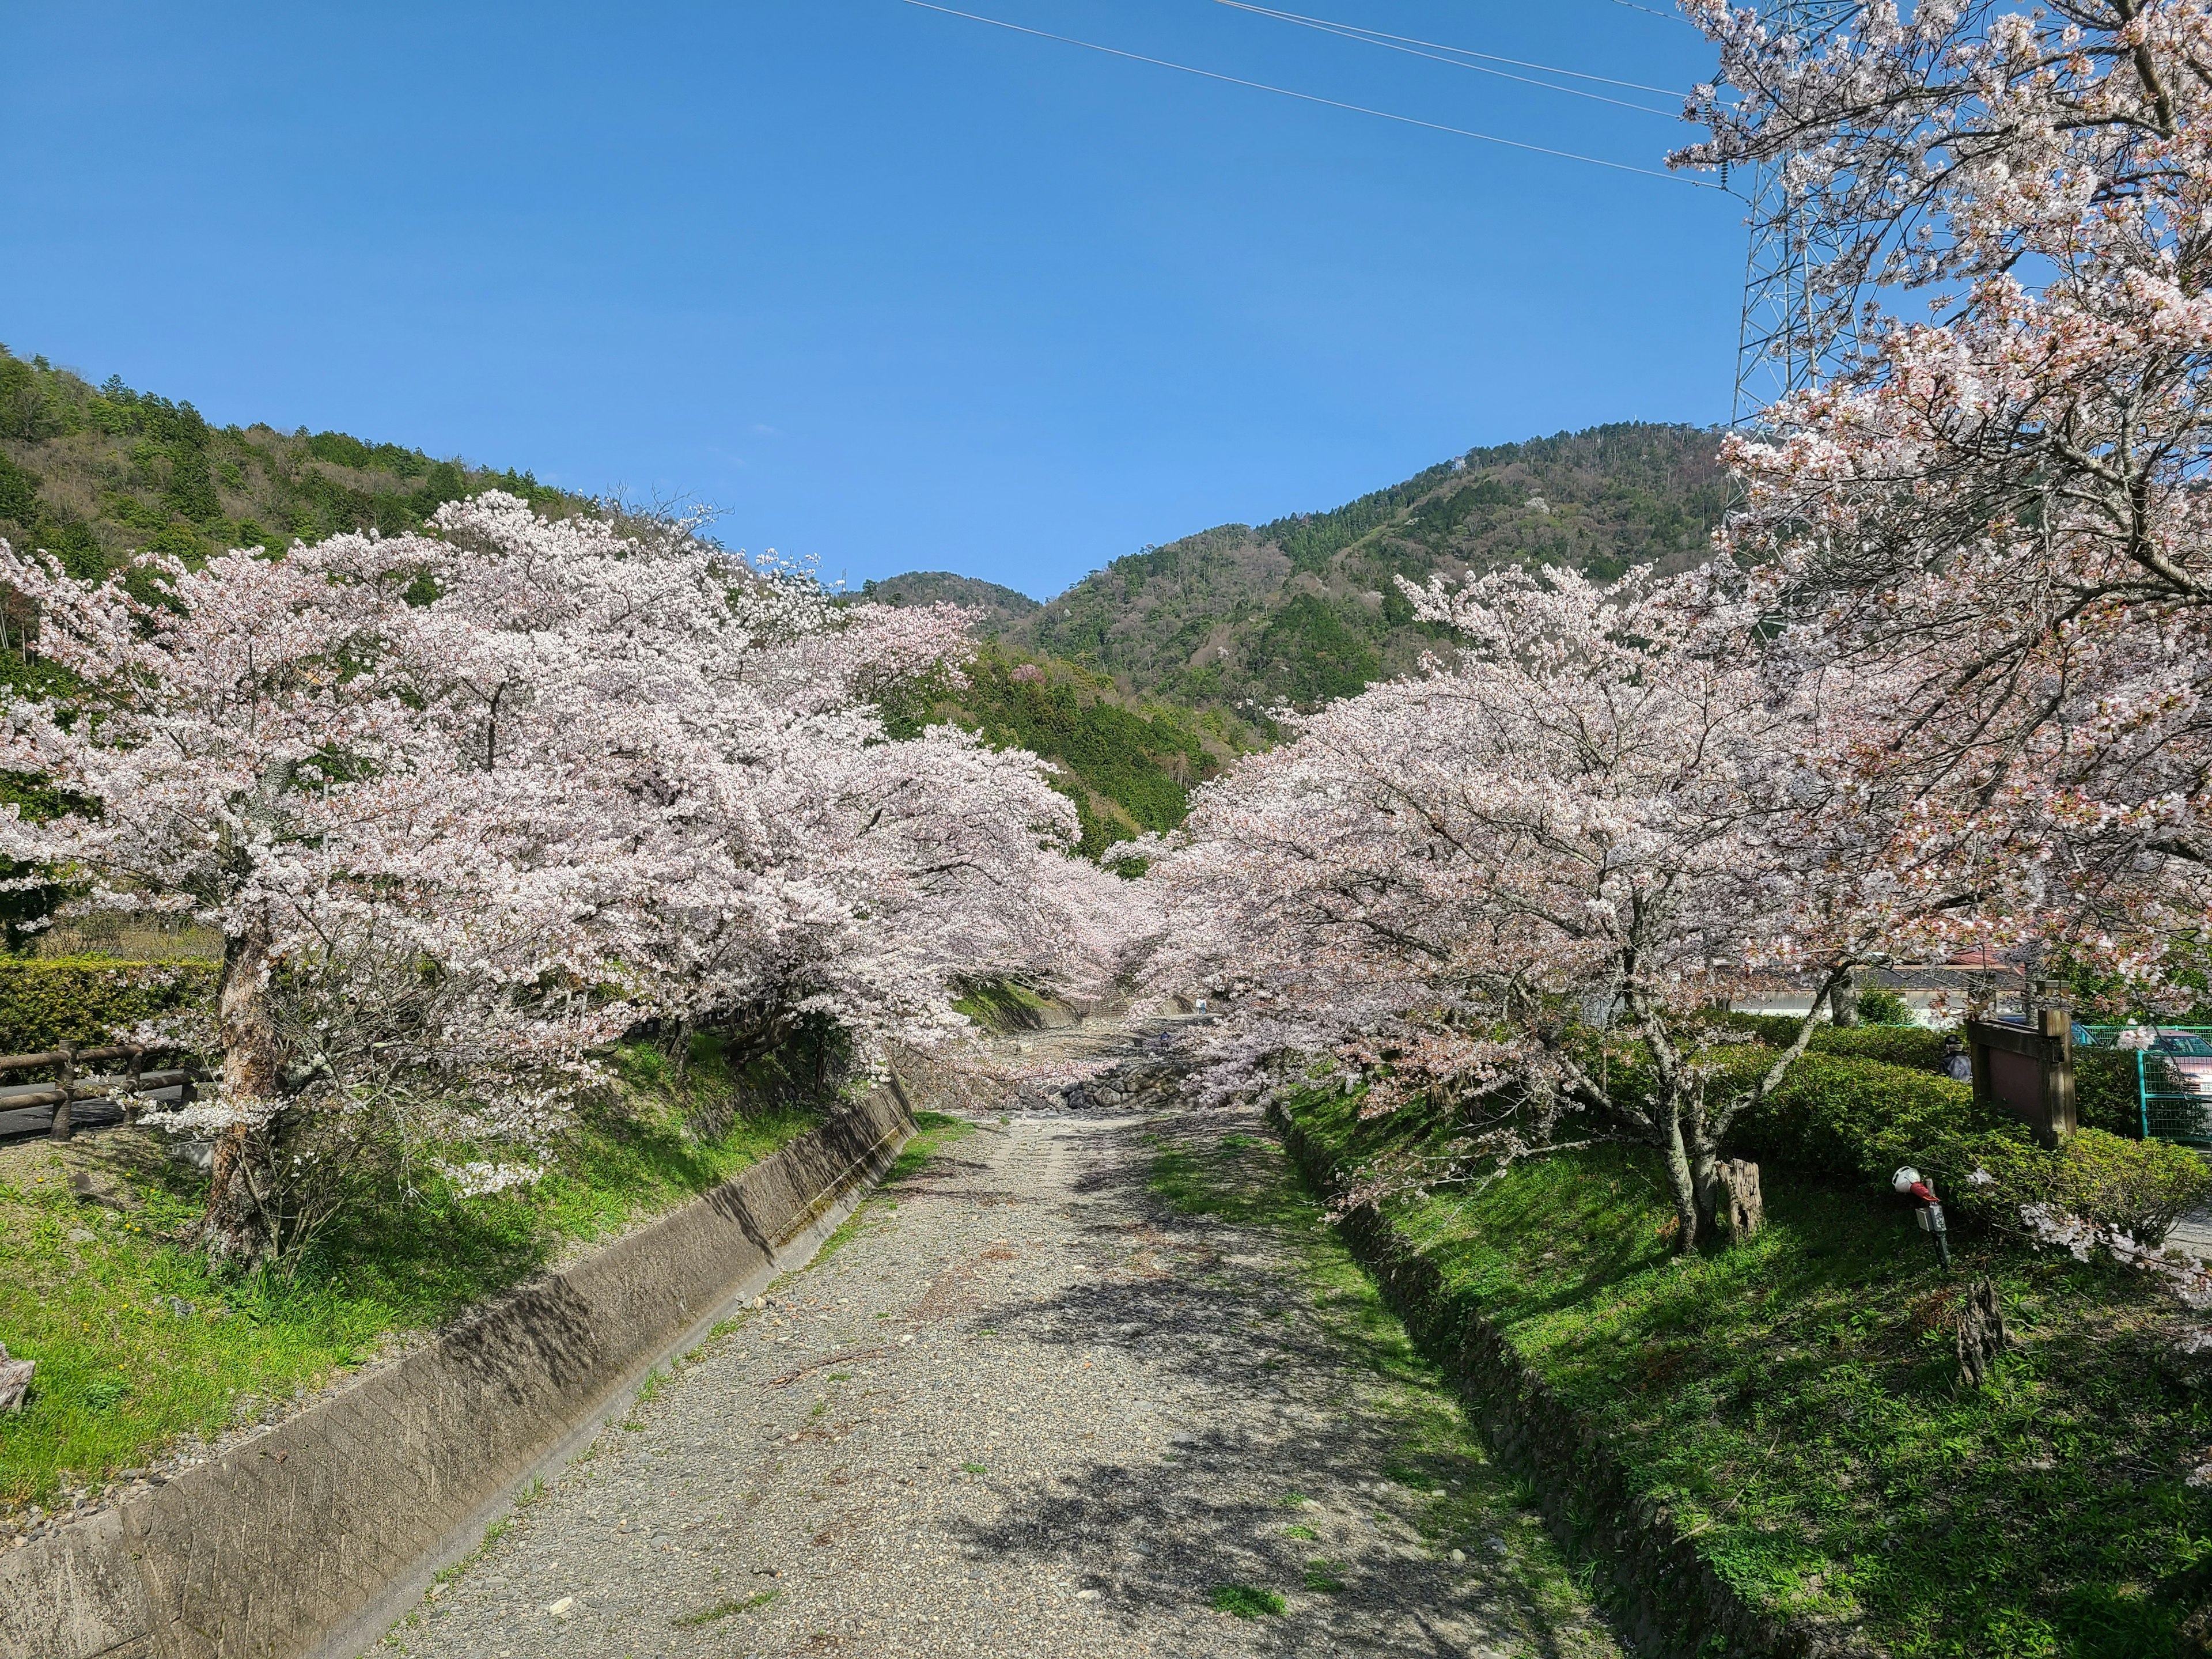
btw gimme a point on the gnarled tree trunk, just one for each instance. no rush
(1843, 1000)
(234, 1231)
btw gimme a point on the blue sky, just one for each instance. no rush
(894, 290)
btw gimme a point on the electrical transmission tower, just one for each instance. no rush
(1788, 337)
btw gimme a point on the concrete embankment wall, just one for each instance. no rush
(1669, 1597)
(309, 1540)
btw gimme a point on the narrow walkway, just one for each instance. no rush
(1025, 1407)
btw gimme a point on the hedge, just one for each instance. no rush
(1861, 1120)
(1915, 1045)
(90, 1000)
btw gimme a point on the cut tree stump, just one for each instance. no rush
(1982, 1334)
(14, 1380)
(1746, 1209)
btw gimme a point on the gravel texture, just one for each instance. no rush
(1026, 1404)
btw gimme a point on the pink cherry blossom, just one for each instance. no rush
(1611, 811)
(466, 804)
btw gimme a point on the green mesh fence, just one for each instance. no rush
(2174, 1076)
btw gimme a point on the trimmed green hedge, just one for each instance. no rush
(2104, 1079)
(1861, 1120)
(89, 1001)
(2104, 1091)
(1916, 1046)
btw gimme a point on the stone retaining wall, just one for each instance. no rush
(311, 1538)
(1675, 1603)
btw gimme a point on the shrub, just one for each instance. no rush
(89, 1001)
(1857, 1119)
(1880, 1006)
(1861, 1120)
(1916, 1046)
(2140, 1188)
(2105, 1091)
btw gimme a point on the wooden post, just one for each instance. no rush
(61, 1130)
(131, 1089)
(2027, 1071)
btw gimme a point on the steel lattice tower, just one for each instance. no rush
(1786, 338)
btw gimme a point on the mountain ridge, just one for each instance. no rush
(1305, 607)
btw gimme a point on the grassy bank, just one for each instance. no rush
(1793, 1399)
(1470, 1504)
(137, 1346)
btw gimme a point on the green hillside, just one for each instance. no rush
(1127, 764)
(93, 473)
(1305, 608)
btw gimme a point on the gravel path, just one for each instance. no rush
(1024, 1405)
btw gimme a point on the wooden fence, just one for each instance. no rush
(73, 1098)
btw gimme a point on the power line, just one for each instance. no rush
(1653, 11)
(1407, 43)
(1345, 33)
(1313, 97)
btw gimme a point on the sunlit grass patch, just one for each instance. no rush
(1245, 1602)
(137, 1344)
(1793, 1400)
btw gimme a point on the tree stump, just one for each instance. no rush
(14, 1380)
(1746, 1209)
(1982, 1334)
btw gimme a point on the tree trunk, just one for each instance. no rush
(1843, 998)
(1682, 1182)
(1705, 1184)
(234, 1231)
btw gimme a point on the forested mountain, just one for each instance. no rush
(91, 473)
(995, 605)
(1127, 764)
(1305, 608)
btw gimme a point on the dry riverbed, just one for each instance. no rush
(1071, 1386)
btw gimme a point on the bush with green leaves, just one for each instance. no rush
(89, 1001)
(1916, 1046)
(1880, 1006)
(2139, 1188)
(1863, 1120)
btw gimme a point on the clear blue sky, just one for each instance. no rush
(896, 290)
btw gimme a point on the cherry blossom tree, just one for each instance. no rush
(1515, 887)
(2000, 507)
(466, 804)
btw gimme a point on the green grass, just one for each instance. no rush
(723, 1610)
(1000, 1004)
(1250, 1182)
(137, 1343)
(1793, 1399)
(1324, 1577)
(1245, 1602)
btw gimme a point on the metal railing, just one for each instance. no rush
(2173, 1077)
(126, 1091)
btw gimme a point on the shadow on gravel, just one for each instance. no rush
(1205, 1304)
